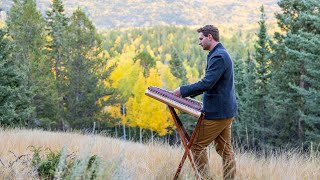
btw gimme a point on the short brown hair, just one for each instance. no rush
(210, 29)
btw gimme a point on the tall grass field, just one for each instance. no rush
(29, 154)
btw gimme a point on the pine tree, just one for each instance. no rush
(294, 59)
(15, 106)
(261, 56)
(239, 130)
(26, 29)
(248, 106)
(177, 68)
(84, 88)
(56, 29)
(306, 50)
(146, 61)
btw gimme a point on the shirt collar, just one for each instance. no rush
(218, 45)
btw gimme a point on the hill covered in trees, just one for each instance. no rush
(144, 13)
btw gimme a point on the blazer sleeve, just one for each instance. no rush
(213, 73)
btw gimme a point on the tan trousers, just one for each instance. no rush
(219, 132)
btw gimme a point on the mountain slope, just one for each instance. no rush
(144, 13)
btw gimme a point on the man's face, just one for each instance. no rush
(204, 41)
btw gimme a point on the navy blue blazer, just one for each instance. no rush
(217, 86)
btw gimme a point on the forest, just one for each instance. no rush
(59, 73)
(106, 14)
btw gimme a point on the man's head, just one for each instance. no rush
(208, 37)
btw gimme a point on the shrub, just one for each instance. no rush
(59, 165)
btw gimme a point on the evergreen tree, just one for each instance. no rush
(239, 73)
(146, 61)
(177, 68)
(26, 29)
(294, 64)
(261, 56)
(84, 52)
(56, 27)
(15, 106)
(306, 50)
(248, 106)
(238, 131)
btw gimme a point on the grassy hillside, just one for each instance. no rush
(137, 13)
(128, 160)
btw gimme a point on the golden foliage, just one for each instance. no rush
(130, 82)
(167, 78)
(146, 112)
(192, 73)
(168, 57)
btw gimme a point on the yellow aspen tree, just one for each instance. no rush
(128, 80)
(134, 102)
(117, 41)
(159, 118)
(192, 72)
(150, 51)
(134, 109)
(137, 42)
(141, 47)
(128, 47)
(168, 57)
(123, 79)
(146, 112)
(114, 111)
(123, 68)
(169, 81)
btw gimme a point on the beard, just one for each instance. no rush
(204, 47)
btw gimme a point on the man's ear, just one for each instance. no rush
(210, 36)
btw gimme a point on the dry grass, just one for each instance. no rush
(128, 160)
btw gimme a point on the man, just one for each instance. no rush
(219, 104)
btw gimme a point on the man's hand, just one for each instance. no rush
(176, 92)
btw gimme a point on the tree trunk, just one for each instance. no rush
(119, 125)
(140, 135)
(124, 131)
(123, 125)
(301, 108)
(129, 133)
(151, 136)
(247, 136)
(116, 131)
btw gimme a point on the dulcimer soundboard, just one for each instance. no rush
(188, 105)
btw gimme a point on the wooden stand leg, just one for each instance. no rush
(185, 139)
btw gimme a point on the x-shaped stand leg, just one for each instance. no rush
(186, 139)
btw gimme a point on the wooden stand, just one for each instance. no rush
(185, 139)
